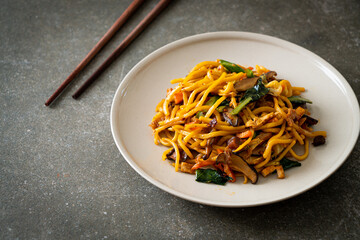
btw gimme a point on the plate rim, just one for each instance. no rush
(233, 34)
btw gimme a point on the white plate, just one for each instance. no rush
(334, 103)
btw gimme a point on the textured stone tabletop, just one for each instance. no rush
(62, 177)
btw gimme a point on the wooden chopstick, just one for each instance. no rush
(138, 29)
(105, 39)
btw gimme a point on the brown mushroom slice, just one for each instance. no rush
(208, 148)
(172, 155)
(270, 76)
(221, 158)
(245, 84)
(319, 140)
(233, 120)
(234, 142)
(310, 121)
(241, 166)
(213, 123)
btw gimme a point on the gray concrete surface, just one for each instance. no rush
(62, 176)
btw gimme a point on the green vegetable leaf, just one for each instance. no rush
(212, 100)
(200, 114)
(251, 95)
(211, 176)
(226, 102)
(221, 108)
(223, 105)
(299, 100)
(241, 105)
(287, 163)
(232, 67)
(249, 73)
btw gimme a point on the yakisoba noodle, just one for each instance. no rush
(224, 121)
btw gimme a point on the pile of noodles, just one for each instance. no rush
(197, 132)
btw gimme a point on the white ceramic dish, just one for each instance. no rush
(334, 103)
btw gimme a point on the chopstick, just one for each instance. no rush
(138, 29)
(105, 39)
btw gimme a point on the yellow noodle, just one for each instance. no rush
(263, 109)
(173, 112)
(182, 145)
(287, 101)
(165, 153)
(287, 149)
(251, 114)
(233, 102)
(213, 107)
(246, 142)
(177, 151)
(273, 142)
(305, 155)
(297, 136)
(309, 134)
(208, 90)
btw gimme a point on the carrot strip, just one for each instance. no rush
(219, 150)
(178, 97)
(245, 134)
(228, 172)
(203, 164)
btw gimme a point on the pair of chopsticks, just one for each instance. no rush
(108, 35)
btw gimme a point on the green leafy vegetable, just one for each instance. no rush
(298, 100)
(251, 95)
(223, 105)
(287, 163)
(200, 114)
(232, 67)
(221, 108)
(212, 100)
(211, 176)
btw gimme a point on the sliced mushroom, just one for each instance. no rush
(208, 148)
(213, 123)
(209, 143)
(245, 84)
(310, 121)
(221, 158)
(233, 120)
(172, 155)
(234, 142)
(319, 140)
(240, 165)
(270, 76)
